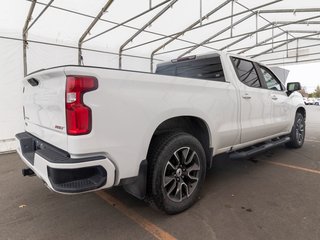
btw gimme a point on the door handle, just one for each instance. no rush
(246, 96)
(274, 97)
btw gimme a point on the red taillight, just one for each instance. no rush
(79, 117)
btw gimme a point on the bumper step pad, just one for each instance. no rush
(77, 180)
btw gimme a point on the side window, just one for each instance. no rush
(271, 81)
(169, 70)
(246, 72)
(206, 68)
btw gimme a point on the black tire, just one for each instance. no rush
(165, 173)
(298, 132)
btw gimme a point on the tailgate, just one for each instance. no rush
(44, 106)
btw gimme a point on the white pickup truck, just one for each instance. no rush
(91, 128)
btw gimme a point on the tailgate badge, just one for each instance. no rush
(58, 127)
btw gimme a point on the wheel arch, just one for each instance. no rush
(193, 125)
(302, 110)
(185, 123)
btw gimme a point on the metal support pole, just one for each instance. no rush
(216, 35)
(304, 31)
(129, 20)
(275, 42)
(282, 44)
(185, 30)
(291, 10)
(42, 12)
(307, 22)
(257, 19)
(272, 36)
(301, 47)
(87, 31)
(312, 39)
(244, 37)
(241, 35)
(231, 19)
(166, 8)
(262, 42)
(294, 62)
(302, 55)
(25, 37)
(297, 51)
(200, 13)
(207, 24)
(222, 31)
(224, 18)
(287, 37)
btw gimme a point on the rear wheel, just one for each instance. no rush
(298, 131)
(177, 170)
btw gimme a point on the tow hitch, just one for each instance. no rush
(28, 172)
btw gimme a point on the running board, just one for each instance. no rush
(249, 152)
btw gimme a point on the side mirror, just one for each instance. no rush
(293, 86)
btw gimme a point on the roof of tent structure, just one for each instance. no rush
(275, 32)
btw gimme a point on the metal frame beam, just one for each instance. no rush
(111, 22)
(262, 42)
(207, 24)
(257, 24)
(301, 47)
(227, 28)
(200, 12)
(259, 15)
(294, 56)
(300, 61)
(282, 44)
(40, 14)
(303, 31)
(244, 37)
(27, 26)
(242, 34)
(307, 23)
(75, 47)
(231, 20)
(187, 29)
(93, 23)
(25, 37)
(290, 10)
(312, 39)
(216, 35)
(159, 14)
(266, 44)
(129, 20)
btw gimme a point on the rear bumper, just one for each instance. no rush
(60, 172)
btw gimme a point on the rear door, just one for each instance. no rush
(44, 106)
(255, 102)
(280, 102)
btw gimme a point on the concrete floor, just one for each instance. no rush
(241, 199)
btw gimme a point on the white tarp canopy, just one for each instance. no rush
(144, 33)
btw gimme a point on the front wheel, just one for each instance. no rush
(177, 168)
(298, 132)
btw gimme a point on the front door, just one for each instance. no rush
(256, 105)
(280, 102)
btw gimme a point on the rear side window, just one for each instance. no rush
(246, 72)
(206, 68)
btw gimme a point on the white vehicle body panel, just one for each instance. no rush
(128, 107)
(44, 107)
(129, 118)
